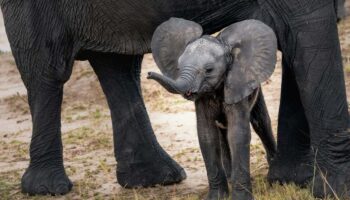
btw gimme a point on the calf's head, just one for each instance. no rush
(239, 58)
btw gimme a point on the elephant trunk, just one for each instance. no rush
(181, 85)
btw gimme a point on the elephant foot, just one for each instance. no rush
(299, 172)
(332, 174)
(335, 184)
(242, 191)
(46, 180)
(217, 194)
(243, 195)
(149, 174)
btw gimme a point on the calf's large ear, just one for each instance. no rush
(169, 41)
(253, 46)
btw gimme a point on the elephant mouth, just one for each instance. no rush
(192, 96)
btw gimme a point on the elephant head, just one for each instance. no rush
(238, 59)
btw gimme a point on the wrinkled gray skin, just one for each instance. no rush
(209, 74)
(47, 36)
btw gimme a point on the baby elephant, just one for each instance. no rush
(222, 75)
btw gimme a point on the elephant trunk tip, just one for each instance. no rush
(155, 76)
(166, 82)
(150, 75)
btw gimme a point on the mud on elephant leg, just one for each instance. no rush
(293, 160)
(208, 111)
(140, 159)
(45, 174)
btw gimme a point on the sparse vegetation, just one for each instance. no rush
(14, 150)
(88, 141)
(17, 104)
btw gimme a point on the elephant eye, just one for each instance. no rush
(209, 70)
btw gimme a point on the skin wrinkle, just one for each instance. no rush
(229, 151)
(312, 59)
(291, 123)
(239, 140)
(45, 39)
(208, 135)
(128, 157)
(320, 133)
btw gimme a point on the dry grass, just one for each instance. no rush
(86, 188)
(17, 104)
(88, 142)
(88, 150)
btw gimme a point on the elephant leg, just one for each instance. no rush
(141, 161)
(341, 10)
(209, 140)
(293, 160)
(238, 129)
(221, 123)
(225, 153)
(45, 174)
(261, 122)
(320, 77)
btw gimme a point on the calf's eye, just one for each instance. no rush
(209, 70)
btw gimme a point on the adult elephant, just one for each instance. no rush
(341, 10)
(46, 38)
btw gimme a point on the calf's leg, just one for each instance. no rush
(239, 137)
(208, 111)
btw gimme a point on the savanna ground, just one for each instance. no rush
(87, 136)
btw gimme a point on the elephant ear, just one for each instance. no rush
(253, 47)
(169, 41)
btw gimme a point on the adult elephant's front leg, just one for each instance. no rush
(45, 174)
(140, 159)
(341, 10)
(208, 111)
(238, 132)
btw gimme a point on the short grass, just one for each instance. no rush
(89, 159)
(86, 189)
(88, 145)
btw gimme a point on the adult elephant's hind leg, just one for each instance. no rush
(293, 160)
(320, 77)
(140, 159)
(341, 10)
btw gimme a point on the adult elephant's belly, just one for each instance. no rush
(294, 8)
(127, 26)
(116, 26)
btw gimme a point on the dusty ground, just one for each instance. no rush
(87, 135)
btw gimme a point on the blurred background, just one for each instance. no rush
(87, 134)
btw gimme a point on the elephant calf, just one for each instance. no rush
(222, 75)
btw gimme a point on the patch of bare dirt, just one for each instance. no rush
(87, 132)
